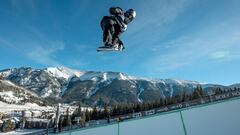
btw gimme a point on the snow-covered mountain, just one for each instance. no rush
(237, 85)
(39, 81)
(96, 88)
(54, 80)
(11, 93)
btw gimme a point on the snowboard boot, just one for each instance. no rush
(108, 45)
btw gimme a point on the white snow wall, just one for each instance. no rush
(222, 118)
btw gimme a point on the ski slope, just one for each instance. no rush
(221, 118)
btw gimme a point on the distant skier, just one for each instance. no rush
(113, 26)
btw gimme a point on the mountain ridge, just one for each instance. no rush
(98, 87)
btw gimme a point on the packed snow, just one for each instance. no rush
(4, 107)
(10, 97)
(105, 76)
(23, 131)
(138, 95)
(63, 72)
(9, 83)
(171, 90)
(5, 73)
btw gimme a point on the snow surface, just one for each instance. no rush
(5, 73)
(95, 76)
(171, 90)
(4, 107)
(102, 77)
(180, 82)
(23, 131)
(63, 72)
(10, 97)
(9, 83)
(138, 95)
(216, 119)
(46, 92)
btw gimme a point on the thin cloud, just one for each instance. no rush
(219, 55)
(40, 52)
(198, 45)
(7, 44)
(154, 15)
(46, 55)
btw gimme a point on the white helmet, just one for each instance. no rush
(131, 12)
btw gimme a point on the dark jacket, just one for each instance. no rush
(118, 14)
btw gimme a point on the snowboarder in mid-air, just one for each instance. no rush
(113, 26)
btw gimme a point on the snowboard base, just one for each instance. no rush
(103, 48)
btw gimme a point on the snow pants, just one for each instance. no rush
(111, 30)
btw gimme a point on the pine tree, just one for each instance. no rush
(184, 96)
(94, 112)
(114, 111)
(161, 102)
(119, 109)
(218, 91)
(150, 105)
(83, 119)
(197, 93)
(138, 108)
(69, 122)
(1, 77)
(87, 115)
(79, 110)
(155, 104)
(61, 123)
(105, 111)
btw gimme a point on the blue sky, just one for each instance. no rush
(182, 39)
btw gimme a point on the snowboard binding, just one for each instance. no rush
(117, 47)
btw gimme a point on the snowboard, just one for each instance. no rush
(114, 48)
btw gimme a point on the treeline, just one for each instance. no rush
(121, 109)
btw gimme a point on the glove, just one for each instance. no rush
(115, 10)
(124, 28)
(118, 10)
